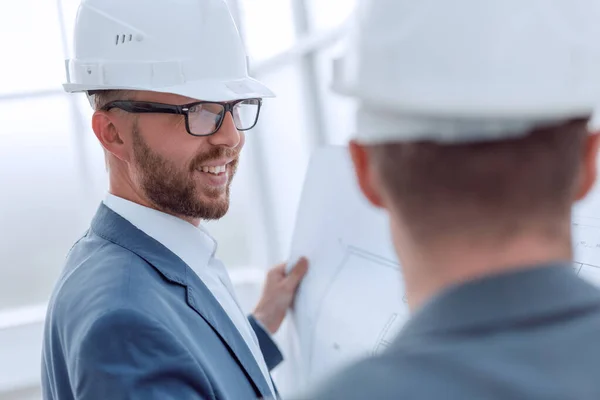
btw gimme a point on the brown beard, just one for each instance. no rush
(173, 190)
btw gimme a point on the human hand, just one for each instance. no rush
(278, 294)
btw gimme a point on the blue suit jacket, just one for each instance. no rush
(130, 320)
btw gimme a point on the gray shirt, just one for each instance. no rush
(533, 334)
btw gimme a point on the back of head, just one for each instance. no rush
(489, 191)
(475, 112)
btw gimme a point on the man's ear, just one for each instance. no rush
(589, 167)
(365, 174)
(106, 130)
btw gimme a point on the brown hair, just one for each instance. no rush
(100, 98)
(488, 189)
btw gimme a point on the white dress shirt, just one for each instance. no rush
(197, 249)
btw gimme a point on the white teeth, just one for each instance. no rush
(214, 170)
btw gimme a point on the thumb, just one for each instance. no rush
(298, 272)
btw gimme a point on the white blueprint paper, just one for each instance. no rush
(351, 303)
(586, 236)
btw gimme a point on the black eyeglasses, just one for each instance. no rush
(202, 118)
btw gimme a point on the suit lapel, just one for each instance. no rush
(118, 230)
(204, 303)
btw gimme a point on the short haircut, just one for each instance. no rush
(100, 98)
(489, 189)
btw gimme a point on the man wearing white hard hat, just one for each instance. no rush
(473, 136)
(143, 309)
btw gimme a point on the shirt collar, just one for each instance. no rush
(496, 301)
(190, 243)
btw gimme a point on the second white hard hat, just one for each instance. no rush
(187, 47)
(428, 70)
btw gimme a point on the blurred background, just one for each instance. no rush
(52, 168)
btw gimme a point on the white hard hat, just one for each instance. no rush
(187, 47)
(431, 69)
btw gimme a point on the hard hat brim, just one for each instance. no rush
(202, 90)
(452, 103)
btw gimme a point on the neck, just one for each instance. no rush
(431, 268)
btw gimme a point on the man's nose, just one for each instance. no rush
(227, 135)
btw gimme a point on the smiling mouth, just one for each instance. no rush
(216, 170)
(226, 166)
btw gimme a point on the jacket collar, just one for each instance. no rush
(190, 243)
(114, 228)
(498, 301)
